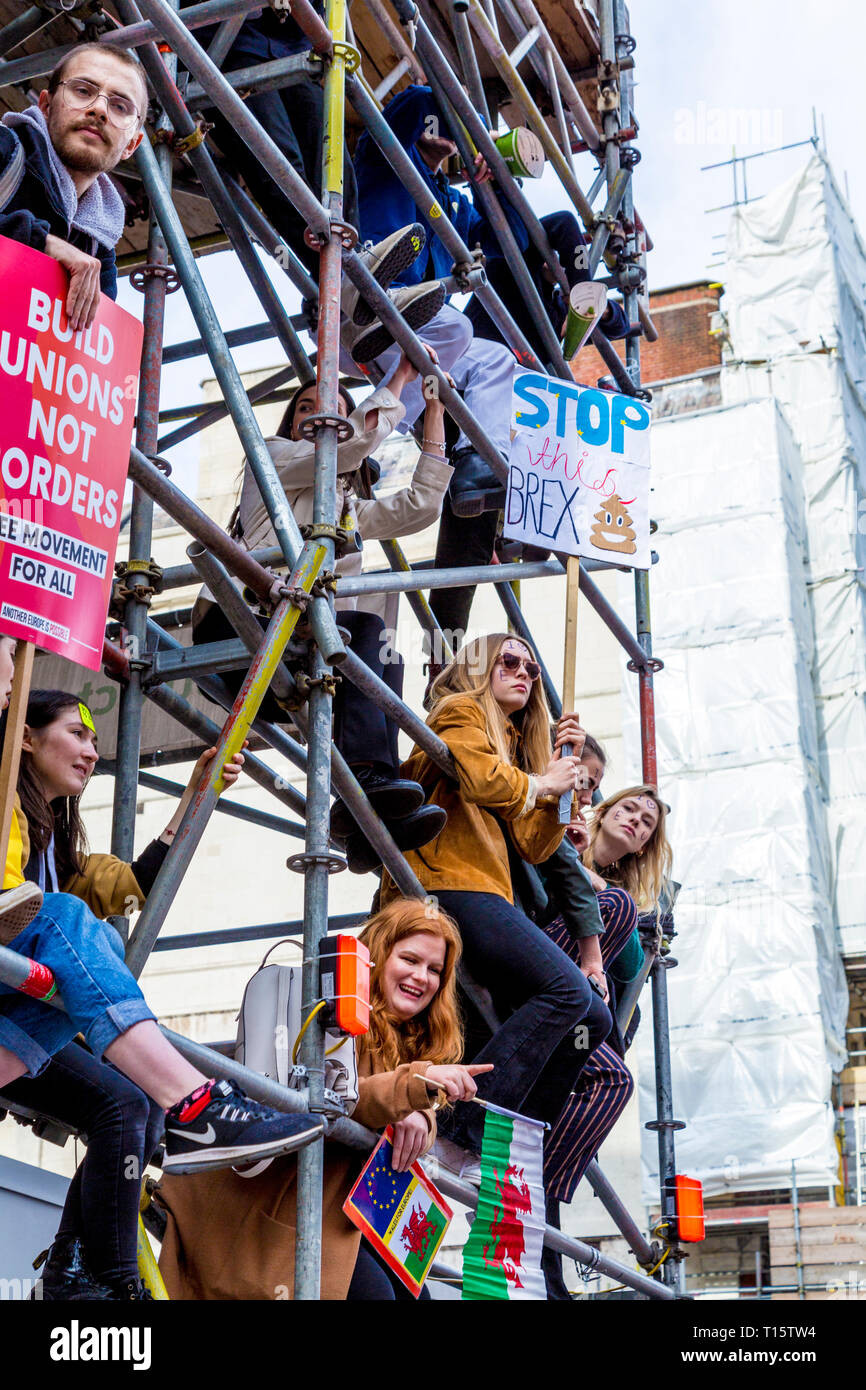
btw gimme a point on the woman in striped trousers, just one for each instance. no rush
(628, 859)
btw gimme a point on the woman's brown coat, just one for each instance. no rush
(234, 1238)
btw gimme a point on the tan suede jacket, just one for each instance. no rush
(470, 853)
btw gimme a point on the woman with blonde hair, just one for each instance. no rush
(628, 859)
(231, 1237)
(628, 847)
(488, 706)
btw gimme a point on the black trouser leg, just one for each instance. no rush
(499, 274)
(566, 238)
(551, 1260)
(122, 1127)
(462, 541)
(292, 117)
(362, 731)
(370, 1283)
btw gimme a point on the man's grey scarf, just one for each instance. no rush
(99, 212)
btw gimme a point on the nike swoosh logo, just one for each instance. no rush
(206, 1138)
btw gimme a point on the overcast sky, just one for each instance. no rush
(743, 74)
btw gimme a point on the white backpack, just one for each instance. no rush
(268, 1027)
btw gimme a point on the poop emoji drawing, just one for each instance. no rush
(613, 529)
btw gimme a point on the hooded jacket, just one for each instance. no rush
(32, 206)
(384, 204)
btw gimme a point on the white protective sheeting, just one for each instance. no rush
(759, 614)
(755, 1000)
(796, 304)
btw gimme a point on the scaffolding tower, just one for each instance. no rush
(460, 48)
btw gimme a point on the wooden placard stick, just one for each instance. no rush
(16, 716)
(567, 802)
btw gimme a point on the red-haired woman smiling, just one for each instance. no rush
(231, 1237)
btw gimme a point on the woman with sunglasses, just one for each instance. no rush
(488, 706)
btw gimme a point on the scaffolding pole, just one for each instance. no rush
(139, 575)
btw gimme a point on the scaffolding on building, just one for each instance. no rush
(456, 46)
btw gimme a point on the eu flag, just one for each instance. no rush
(381, 1190)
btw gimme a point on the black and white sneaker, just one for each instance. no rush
(218, 1125)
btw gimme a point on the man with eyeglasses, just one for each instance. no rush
(55, 193)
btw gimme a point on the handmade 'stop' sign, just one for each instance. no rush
(68, 402)
(578, 477)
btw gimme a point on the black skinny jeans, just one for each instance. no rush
(122, 1128)
(566, 238)
(374, 1282)
(462, 541)
(537, 1052)
(362, 732)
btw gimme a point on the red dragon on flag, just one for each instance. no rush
(505, 1227)
(416, 1234)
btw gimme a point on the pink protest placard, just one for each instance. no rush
(68, 404)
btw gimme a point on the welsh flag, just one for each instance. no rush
(502, 1257)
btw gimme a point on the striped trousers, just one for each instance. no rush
(604, 1086)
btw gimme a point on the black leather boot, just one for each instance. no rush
(391, 797)
(411, 832)
(132, 1290)
(474, 488)
(65, 1275)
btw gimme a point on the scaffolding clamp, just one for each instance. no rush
(152, 271)
(345, 542)
(299, 598)
(349, 54)
(649, 666)
(326, 582)
(311, 424)
(607, 73)
(182, 144)
(299, 863)
(121, 592)
(461, 270)
(304, 684)
(344, 230)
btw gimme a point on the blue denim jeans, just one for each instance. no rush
(101, 997)
(541, 995)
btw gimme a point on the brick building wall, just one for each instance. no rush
(684, 345)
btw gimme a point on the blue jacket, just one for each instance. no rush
(384, 204)
(31, 207)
